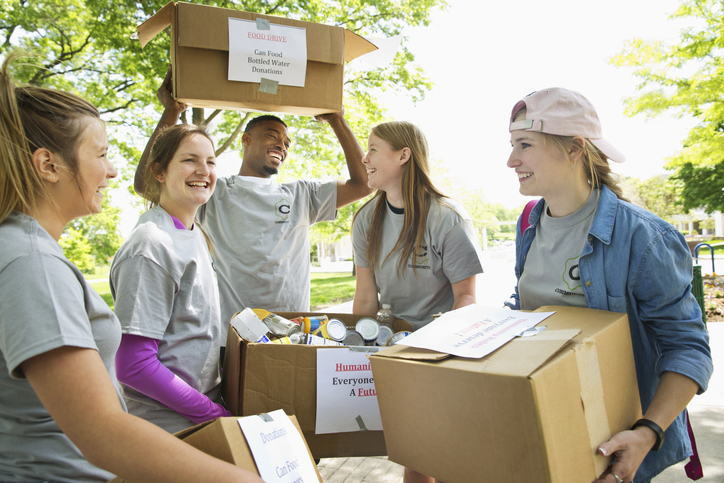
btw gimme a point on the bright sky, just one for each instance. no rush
(484, 56)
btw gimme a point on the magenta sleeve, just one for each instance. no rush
(138, 367)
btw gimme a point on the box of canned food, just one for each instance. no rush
(270, 363)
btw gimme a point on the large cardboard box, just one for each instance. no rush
(200, 59)
(259, 378)
(222, 438)
(533, 411)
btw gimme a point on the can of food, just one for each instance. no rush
(312, 323)
(384, 335)
(280, 326)
(334, 329)
(353, 338)
(282, 340)
(368, 328)
(397, 337)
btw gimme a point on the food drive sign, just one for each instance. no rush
(266, 51)
(346, 395)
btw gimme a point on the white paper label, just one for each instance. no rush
(346, 395)
(278, 54)
(278, 449)
(473, 331)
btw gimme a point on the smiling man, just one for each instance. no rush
(260, 230)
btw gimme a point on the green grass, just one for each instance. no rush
(327, 289)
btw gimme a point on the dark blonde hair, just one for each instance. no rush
(417, 193)
(162, 152)
(31, 118)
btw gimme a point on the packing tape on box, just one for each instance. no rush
(268, 86)
(594, 407)
(263, 24)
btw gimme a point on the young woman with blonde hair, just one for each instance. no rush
(62, 417)
(415, 249)
(586, 246)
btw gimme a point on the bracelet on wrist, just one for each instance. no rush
(655, 428)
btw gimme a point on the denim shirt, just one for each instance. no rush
(637, 263)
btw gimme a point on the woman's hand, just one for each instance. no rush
(630, 448)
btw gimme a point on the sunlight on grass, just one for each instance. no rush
(327, 289)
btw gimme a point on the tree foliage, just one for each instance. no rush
(687, 79)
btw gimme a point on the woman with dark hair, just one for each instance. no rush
(586, 246)
(62, 416)
(415, 249)
(165, 292)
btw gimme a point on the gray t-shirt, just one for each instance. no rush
(551, 274)
(450, 255)
(164, 287)
(260, 233)
(45, 304)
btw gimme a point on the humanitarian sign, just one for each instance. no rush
(473, 331)
(279, 451)
(346, 395)
(262, 50)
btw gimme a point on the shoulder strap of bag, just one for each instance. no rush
(524, 223)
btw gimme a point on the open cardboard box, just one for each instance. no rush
(222, 438)
(200, 60)
(535, 410)
(259, 378)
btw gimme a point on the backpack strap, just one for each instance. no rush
(524, 223)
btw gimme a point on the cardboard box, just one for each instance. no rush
(200, 60)
(259, 378)
(222, 438)
(534, 410)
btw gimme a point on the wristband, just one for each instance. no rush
(655, 428)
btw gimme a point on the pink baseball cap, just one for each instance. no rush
(565, 113)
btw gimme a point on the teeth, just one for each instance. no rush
(524, 175)
(370, 171)
(200, 184)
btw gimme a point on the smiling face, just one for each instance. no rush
(384, 165)
(265, 149)
(85, 196)
(543, 169)
(189, 179)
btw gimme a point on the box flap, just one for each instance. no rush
(356, 45)
(538, 349)
(207, 27)
(156, 24)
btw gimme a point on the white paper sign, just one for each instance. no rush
(279, 451)
(346, 395)
(278, 54)
(473, 331)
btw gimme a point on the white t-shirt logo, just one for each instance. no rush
(283, 208)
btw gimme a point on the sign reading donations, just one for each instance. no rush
(279, 451)
(346, 395)
(261, 51)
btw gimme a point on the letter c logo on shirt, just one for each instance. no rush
(283, 208)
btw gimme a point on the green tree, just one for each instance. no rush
(659, 194)
(687, 79)
(77, 249)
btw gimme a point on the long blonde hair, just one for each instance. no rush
(417, 193)
(34, 117)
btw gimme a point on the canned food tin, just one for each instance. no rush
(280, 326)
(384, 335)
(312, 323)
(397, 337)
(282, 340)
(353, 338)
(334, 329)
(368, 328)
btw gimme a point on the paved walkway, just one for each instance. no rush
(494, 286)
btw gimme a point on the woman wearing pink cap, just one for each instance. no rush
(585, 245)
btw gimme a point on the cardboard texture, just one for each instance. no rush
(259, 378)
(222, 438)
(533, 411)
(200, 56)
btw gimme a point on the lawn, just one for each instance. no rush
(327, 289)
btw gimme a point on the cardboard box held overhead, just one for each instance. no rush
(200, 57)
(222, 438)
(259, 378)
(534, 410)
